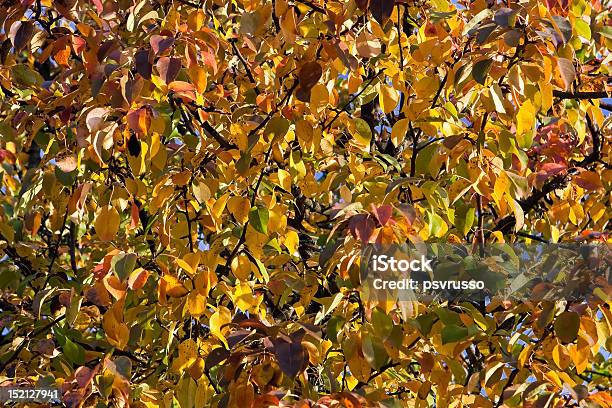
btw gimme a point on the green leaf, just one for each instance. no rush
(382, 323)
(364, 133)
(25, 76)
(582, 28)
(333, 327)
(481, 70)
(73, 352)
(373, 351)
(453, 333)
(123, 264)
(277, 127)
(424, 323)
(258, 218)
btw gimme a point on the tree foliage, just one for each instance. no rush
(186, 186)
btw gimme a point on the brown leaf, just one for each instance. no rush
(567, 71)
(309, 75)
(362, 4)
(168, 68)
(566, 326)
(21, 34)
(368, 45)
(130, 87)
(66, 162)
(381, 10)
(106, 49)
(95, 118)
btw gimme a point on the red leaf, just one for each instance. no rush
(78, 44)
(99, 5)
(168, 68)
(383, 213)
(84, 375)
(548, 170)
(362, 226)
(6, 155)
(208, 58)
(589, 180)
(135, 216)
(139, 120)
(138, 279)
(184, 90)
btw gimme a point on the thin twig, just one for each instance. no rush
(345, 107)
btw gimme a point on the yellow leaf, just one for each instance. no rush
(319, 98)
(188, 353)
(398, 133)
(243, 297)
(117, 332)
(388, 98)
(239, 207)
(107, 223)
(561, 356)
(205, 281)
(518, 213)
(501, 187)
(580, 354)
(292, 241)
(498, 98)
(241, 267)
(297, 166)
(288, 25)
(186, 267)
(174, 288)
(546, 91)
(196, 304)
(525, 124)
(284, 179)
(524, 355)
(218, 207)
(220, 318)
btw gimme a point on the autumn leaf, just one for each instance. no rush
(194, 194)
(107, 223)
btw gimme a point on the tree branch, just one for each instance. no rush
(346, 105)
(25, 341)
(246, 65)
(581, 95)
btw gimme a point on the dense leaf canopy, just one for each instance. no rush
(187, 184)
